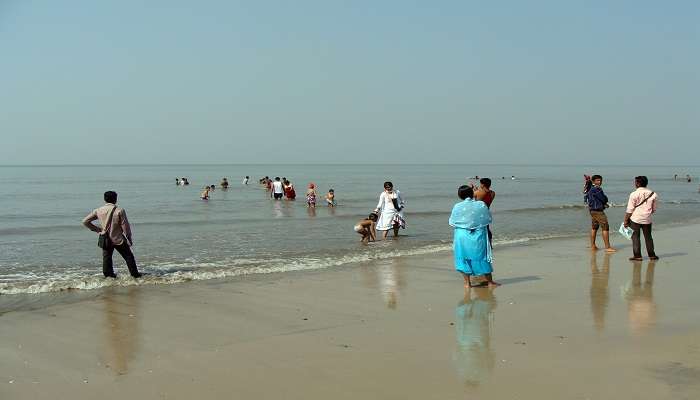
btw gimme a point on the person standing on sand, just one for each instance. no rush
(116, 226)
(597, 203)
(472, 250)
(640, 206)
(485, 194)
(390, 210)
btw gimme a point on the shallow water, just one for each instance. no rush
(178, 237)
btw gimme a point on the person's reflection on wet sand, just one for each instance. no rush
(641, 309)
(391, 282)
(388, 278)
(600, 296)
(121, 327)
(474, 317)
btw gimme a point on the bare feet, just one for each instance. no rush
(653, 258)
(610, 250)
(635, 258)
(594, 248)
(494, 284)
(467, 281)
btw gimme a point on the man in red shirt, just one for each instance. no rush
(485, 194)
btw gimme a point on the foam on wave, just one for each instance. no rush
(164, 274)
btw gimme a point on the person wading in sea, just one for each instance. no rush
(117, 233)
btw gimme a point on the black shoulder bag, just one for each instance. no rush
(643, 201)
(103, 241)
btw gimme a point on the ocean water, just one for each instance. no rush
(178, 237)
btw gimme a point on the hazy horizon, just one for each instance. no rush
(226, 83)
(349, 163)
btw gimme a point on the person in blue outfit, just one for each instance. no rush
(597, 203)
(472, 250)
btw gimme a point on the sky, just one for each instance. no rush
(521, 82)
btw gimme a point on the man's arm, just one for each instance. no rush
(485, 208)
(126, 227)
(87, 222)
(629, 211)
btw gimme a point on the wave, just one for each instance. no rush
(169, 273)
(680, 202)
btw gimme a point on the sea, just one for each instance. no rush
(241, 231)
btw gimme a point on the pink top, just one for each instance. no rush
(120, 227)
(642, 214)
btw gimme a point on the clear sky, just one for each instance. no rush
(593, 82)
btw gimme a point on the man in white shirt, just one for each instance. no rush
(640, 207)
(277, 189)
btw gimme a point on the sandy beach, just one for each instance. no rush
(565, 325)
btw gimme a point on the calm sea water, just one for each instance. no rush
(178, 237)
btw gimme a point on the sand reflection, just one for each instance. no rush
(121, 327)
(388, 278)
(641, 308)
(600, 295)
(474, 324)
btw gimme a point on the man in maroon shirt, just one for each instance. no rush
(485, 194)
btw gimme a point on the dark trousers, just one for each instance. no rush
(127, 255)
(636, 242)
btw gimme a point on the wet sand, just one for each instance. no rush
(565, 325)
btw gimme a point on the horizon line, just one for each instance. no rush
(344, 164)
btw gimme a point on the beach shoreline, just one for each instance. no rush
(580, 325)
(89, 287)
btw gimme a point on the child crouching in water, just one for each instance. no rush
(330, 198)
(366, 228)
(205, 193)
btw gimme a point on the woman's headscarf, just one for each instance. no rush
(470, 214)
